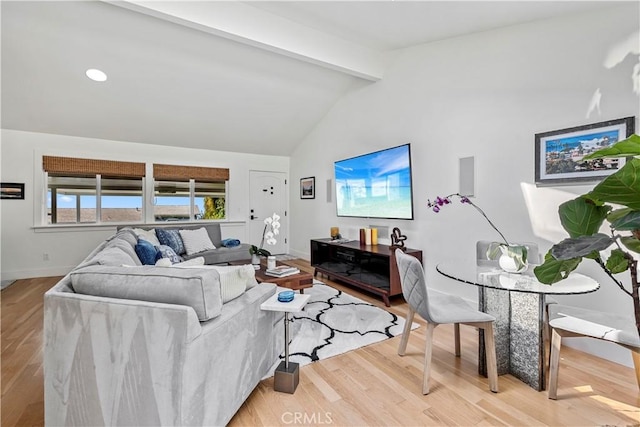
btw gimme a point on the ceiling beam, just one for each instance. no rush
(249, 25)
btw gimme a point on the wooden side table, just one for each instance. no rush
(287, 374)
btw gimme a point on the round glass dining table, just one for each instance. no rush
(518, 302)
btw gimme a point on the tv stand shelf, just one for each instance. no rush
(369, 267)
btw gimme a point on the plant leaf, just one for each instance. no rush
(617, 262)
(631, 243)
(581, 217)
(553, 270)
(493, 250)
(631, 221)
(625, 148)
(617, 214)
(580, 246)
(623, 187)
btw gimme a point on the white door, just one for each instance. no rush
(268, 196)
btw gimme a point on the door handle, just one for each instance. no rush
(254, 217)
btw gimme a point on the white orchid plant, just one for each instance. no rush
(271, 230)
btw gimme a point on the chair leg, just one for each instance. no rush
(636, 363)
(406, 331)
(554, 364)
(456, 335)
(490, 350)
(427, 357)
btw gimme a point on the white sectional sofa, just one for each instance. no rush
(147, 345)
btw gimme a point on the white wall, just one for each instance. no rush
(483, 95)
(23, 246)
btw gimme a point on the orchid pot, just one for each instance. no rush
(513, 258)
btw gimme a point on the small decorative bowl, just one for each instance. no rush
(286, 296)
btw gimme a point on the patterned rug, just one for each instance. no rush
(334, 322)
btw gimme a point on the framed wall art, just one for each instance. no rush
(308, 188)
(559, 153)
(12, 190)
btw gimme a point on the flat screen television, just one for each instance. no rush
(375, 185)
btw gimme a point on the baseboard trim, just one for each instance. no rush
(32, 273)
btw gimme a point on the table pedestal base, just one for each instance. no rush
(286, 378)
(518, 334)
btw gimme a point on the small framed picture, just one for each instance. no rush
(559, 153)
(308, 188)
(12, 190)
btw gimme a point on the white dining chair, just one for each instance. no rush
(567, 321)
(438, 308)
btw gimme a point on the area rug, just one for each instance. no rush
(334, 322)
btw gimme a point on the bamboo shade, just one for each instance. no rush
(185, 173)
(75, 166)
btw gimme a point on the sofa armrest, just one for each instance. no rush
(97, 350)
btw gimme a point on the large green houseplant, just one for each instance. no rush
(583, 216)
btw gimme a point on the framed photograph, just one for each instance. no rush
(11, 190)
(308, 188)
(559, 153)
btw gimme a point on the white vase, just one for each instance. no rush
(509, 264)
(255, 259)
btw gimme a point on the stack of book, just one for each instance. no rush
(282, 271)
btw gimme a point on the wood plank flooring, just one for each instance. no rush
(369, 386)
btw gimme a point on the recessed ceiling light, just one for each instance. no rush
(96, 75)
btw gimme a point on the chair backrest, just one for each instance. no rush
(412, 281)
(533, 254)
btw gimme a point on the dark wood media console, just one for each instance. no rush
(369, 267)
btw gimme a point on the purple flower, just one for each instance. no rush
(440, 201)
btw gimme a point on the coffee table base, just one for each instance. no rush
(286, 379)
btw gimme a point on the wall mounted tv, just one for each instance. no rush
(375, 185)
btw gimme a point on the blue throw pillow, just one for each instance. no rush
(146, 252)
(230, 243)
(171, 238)
(166, 252)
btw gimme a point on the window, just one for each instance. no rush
(93, 191)
(172, 201)
(184, 193)
(121, 199)
(210, 199)
(81, 191)
(71, 199)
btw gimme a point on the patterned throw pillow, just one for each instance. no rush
(170, 254)
(171, 238)
(146, 252)
(196, 240)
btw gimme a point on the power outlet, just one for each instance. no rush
(45, 256)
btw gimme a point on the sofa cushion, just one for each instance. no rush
(196, 241)
(197, 262)
(167, 252)
(234, 279)
(126, 246)
(148, 235)
(171, 238)
(128, 235)
(198, 288)
(147, 252)
(113, 256)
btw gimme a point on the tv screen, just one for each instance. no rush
(375, 185)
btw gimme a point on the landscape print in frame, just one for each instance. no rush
(308, 188)
(559, 153)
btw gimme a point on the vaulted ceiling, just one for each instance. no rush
(250, 77)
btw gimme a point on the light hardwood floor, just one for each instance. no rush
(369, 386)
